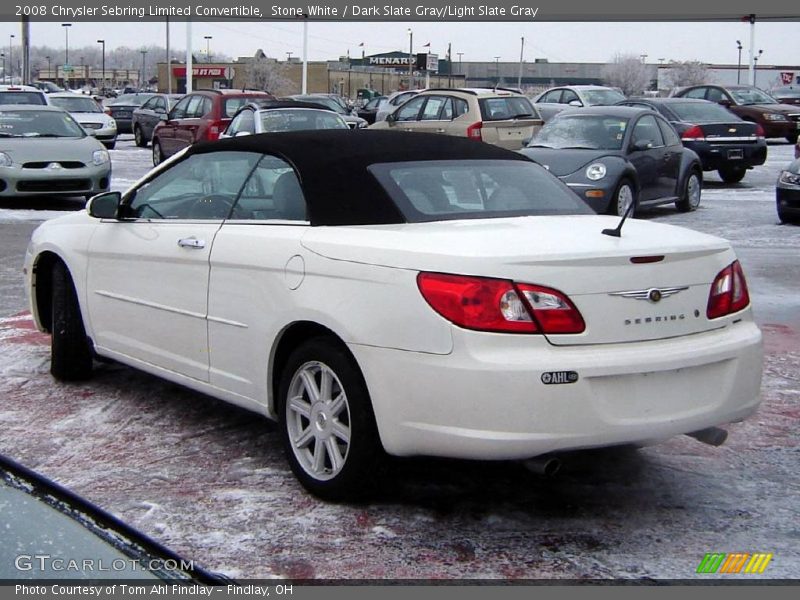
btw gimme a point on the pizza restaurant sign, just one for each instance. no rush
(221, 72)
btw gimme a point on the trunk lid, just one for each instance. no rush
(569, 253)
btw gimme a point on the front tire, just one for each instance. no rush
(787, 219)
(692, 189)
(327, 424)
(158, 155)
(732, 174)
(138, 137)
(792, 139)
(70, 350)
(623, 196)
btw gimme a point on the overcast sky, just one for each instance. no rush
(557, 42)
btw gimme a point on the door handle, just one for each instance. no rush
(192, 242)
(440, 131)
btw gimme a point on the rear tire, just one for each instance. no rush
(138, 136)
(692, 191)
(110, 145)
(158, 155)
(792, 138)
(789, 220)
(70, 350)
(623, 196)
(732, 174)
(327, 424)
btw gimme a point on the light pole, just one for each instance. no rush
(49, 71)
(11, 56)
(103, 66)
(739, 63)
(410, 57)
(141, 83)
(755, 66)
(497, 70)
(66, 27)
(289, 56)
(208, 39)
(3, 56)
(460, 54)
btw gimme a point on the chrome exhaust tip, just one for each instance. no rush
(546, 466)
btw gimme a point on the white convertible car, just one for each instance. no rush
(397, 293)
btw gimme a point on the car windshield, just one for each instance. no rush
(593, 132)
(21, 98)
(38, 123)
(602, 97)
(746, 96)
(76, 104)
(694, 112)
(299, 119)
(131, 99)
(506, 107)
(475, 189)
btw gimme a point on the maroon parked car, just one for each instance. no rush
(751, 104)
(199, 116)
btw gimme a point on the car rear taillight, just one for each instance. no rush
(695, 133)
(214, 129)
(474, 131)
(728, 292)
(499, 305)
(760, 131)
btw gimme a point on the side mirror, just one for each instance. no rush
(160, 111)
(641, 145)
(90, 132)
(724, 102)
(104, 206)
(575, 103)
(391, 118)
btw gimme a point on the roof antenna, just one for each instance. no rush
(617, 231)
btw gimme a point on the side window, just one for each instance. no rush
(203, 186)
(179, 110)
(410, 110)
(646, 130)
(699, 93)
(243, 122)
(568, 96)
(670, 137)
(551, 96)
(432, 108)
(715, 95)
(460, 107)
(150, 104)
(272, 192)
(193, 107)
(205, 107)
(447, 110)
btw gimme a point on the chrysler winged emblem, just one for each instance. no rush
(652, 294)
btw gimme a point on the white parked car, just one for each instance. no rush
(89, 114)
(400, 293)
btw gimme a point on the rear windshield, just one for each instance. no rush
(475, 189)
(695, 112)
(506, 107)
(131, 99)
(77, 104)
(232, 105)
(22, 98)
(38, 123)
(299, 119)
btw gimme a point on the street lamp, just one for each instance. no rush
(460, 54)
(644, 58)
(66, 27)
(289, 56)
(208, 39)
(103, 67)
(141, 83)
(755, 66)
(739, 63)
(3, 56)
(410, 56)
(497, 69)
(11, 56)
(49, 71)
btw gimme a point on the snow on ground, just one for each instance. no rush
(209, 480)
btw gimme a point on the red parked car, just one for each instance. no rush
(199, 116)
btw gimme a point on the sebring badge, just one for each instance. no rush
(652, 295)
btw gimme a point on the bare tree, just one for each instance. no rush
(689, 72)
(628, 73)
(268, 74)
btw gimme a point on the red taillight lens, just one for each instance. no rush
(499, 305)
(474, 131)
(214, 129)
(728, 292)
(695, 133)
(759, 131)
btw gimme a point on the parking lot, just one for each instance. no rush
(209, 480)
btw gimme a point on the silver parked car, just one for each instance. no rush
(553, 101)
(89, 114)
(43, 150)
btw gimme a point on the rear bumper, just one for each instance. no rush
(487, 400)
(717, 156)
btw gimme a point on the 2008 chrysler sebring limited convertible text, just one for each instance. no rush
(404, 293)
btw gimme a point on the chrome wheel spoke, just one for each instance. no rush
(326, 385)
(318, 463)
(300, 406)
(338, 404)
(310, 385)
(334, 455)
(305, 437)
(341, 431)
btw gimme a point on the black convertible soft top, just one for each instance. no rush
(332, 166)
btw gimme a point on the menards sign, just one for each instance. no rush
(222, 72)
